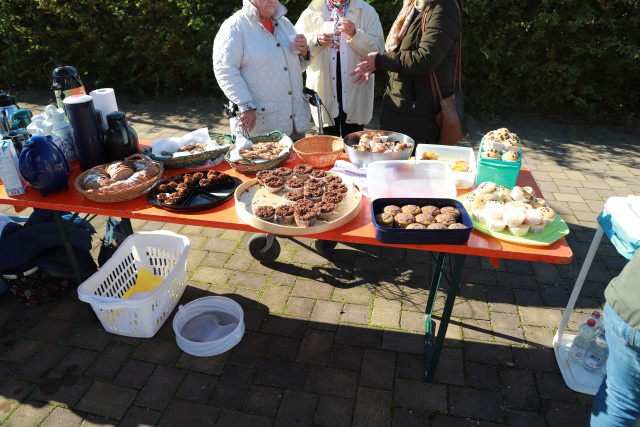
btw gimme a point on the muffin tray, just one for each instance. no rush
(427, 237)
(199, 197)
(551, 233)
(250, 194)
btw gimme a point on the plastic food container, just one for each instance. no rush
(163, 254)
(448, 154)
(410, 178)
(209, 326)
(497, 170)
(433, 237)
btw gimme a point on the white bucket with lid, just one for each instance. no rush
(209, 326)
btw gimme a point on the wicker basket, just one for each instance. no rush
(130, 193)
(319, 151)
(246, 166)
(198, 158)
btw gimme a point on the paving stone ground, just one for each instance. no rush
(336, 340)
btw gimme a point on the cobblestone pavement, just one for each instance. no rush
(336, 340)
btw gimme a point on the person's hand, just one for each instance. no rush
(325, 39)
(365, 68)
(347, 26)
(301, 44)
(247, 120)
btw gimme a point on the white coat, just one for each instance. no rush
(368, 38)
(254, 66)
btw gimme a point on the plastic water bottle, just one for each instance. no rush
(597, 354)
(597, 316)
(582, 342)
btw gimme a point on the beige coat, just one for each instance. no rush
(369, 38)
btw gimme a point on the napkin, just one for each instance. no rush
(172, 144)
(357, 175)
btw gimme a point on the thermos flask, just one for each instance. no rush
(86, 131)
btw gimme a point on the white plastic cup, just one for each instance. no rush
(292, 43)
(328, 27)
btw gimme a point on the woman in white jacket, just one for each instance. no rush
(335, 54)
(256, 68)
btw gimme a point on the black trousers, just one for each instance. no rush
(341, 128)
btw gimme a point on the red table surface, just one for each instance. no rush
(359, 230)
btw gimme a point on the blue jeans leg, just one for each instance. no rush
(617, 402)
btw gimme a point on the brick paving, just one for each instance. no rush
(332, 340)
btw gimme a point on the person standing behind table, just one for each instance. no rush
(617, 402)
(357, 31)
(408, 105)
(256, 69)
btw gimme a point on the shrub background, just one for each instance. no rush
(578, 59)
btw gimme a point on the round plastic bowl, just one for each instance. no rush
(209, 326)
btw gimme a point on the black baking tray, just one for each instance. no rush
(427, 237)
(199, 198)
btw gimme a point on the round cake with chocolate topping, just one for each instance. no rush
(284, 214)
(341, 188)
(304, 203)
(305, 217)
(273, 184)
(332, 197)
(265, 213)
(313, 193)
(318, 175)
(294, 184)
(333, 179)
(283, 172)
(302, 171)
(324, 209)
(293, 196)
(263, 175)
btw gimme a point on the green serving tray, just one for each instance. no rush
(551, 233)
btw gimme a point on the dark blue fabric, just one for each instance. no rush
(22, 246)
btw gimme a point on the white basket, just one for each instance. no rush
(164, 254)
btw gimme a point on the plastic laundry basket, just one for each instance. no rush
(164, 254)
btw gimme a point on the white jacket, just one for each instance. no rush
(368, 38)
(254, 66)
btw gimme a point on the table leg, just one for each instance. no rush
(432, 350)
(67, 246)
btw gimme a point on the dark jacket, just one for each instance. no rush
(408, 103)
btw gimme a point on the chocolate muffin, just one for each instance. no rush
(292, 197)
(294, 184)
(284, 214)
(283, 172)
(324, 209)
(304, 203)
(273, 184)
(305, 217)
(265, 213)
(313, 193)
(318, 174)
(332, 197)
(341, 188)
(302, 171)
(333, 179)
(261, 176)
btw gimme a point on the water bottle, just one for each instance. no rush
(597, 316)
(582, 343)
(597, 354)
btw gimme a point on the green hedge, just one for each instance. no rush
(579, 58)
